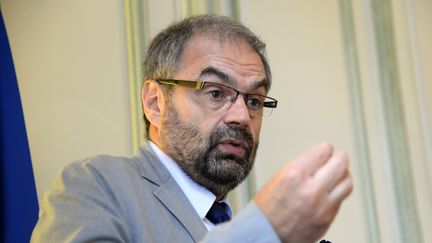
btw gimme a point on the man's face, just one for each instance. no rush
(216, 148)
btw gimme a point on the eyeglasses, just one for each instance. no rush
(215, 96)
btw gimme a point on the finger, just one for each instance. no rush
(314, 158)
(342, 190)
(329, 175)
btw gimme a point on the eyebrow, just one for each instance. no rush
(227, 79)
(214, 71)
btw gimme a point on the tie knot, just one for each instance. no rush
(219, 213)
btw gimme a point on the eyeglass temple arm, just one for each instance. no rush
(270, 104)
(184, 83)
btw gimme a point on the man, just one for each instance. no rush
(204, 96)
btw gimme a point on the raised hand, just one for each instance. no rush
(302, 200)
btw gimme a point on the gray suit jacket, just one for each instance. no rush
(118, 199)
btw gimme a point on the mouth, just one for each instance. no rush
(233, 146)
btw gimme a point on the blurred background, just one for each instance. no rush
(355, 73)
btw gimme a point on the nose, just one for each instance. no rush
(238, 113)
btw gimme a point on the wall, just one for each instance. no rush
(71, 63)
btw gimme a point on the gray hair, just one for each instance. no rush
(165, 50)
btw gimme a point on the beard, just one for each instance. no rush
(201, 158)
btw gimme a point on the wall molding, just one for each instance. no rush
(135, 35)
(359, 120)
(408, 224)
(426, 123)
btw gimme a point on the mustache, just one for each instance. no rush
(227, 132)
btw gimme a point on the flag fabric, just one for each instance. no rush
(18, 199)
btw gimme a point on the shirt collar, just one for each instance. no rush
(200, 197)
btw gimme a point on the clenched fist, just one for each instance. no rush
(302, 200)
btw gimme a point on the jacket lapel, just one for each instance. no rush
(174, 199)
(169, 193)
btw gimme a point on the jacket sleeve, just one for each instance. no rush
(77, 208)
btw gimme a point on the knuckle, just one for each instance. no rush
(325, 150)
(342, 165)
(342, 155)
(326, 147)
(294, 175)
(310, 198)
(341, 158)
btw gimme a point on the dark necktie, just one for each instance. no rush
(219, 213)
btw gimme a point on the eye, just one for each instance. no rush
(214, 93)
(255, 102)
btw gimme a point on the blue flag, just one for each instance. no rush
(18, 202)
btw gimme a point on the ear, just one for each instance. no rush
(152, 101)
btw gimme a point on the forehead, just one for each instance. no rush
(236, 58)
